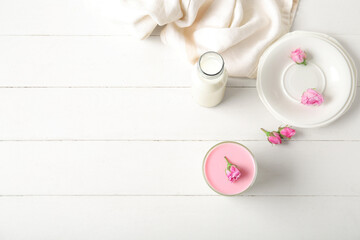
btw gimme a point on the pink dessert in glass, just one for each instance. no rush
(215, 164)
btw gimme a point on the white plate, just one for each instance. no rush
(330, 70)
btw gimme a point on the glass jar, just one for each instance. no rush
(209, 80)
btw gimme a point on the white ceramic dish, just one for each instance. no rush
(330, 70)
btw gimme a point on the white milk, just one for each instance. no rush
(209, 80)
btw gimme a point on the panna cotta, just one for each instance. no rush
(215, 164)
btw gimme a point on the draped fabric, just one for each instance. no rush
(240, 30)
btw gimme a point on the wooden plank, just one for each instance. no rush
(77, 17)
(180, 218)
(171, 168)
(93, 62)
(103, 62)
(67, 17)
(145, 114)
(330, 17)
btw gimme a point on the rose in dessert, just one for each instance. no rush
(231, 171)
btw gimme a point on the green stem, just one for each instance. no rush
(266, 132)
(228, 163)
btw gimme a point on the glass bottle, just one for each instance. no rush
(209, 80)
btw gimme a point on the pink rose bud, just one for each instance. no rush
(311, 97)
(232, 172)
(298, 56)
(287, 132)
(273, 137)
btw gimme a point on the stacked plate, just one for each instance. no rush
(330, 70)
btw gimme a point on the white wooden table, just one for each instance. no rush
(100, 139)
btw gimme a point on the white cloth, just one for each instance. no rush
(240, 30)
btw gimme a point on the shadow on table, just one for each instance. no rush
(275, 174)
(272, 179)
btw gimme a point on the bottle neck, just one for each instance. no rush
(211, 65)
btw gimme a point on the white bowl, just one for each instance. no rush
(330, 70)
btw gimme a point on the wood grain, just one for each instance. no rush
(77, 17)
(179, 217)
(104, 62)
(145, 114)
(155, 168)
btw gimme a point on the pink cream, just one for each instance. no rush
(215, 164)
